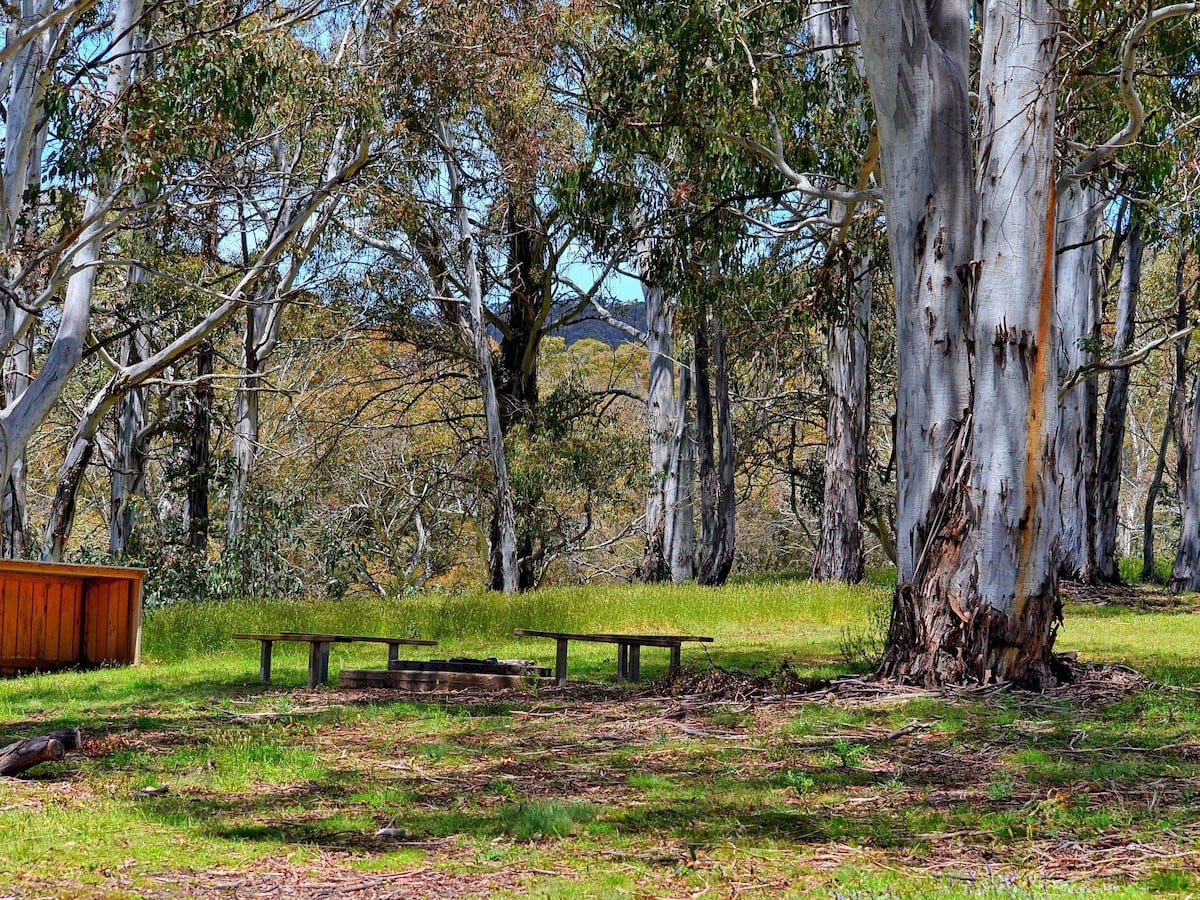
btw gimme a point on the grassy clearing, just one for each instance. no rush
(602, 790)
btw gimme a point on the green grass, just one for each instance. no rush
(761, 611)
(601, 794)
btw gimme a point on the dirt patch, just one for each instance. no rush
(281, 878)
(1141, 597)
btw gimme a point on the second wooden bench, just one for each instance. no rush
(629, 649)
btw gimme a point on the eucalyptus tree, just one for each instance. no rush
(470, 212)
(61, 80)
(971, 226)
(664, 81)
(244, 73)
(1076, 333)
(1112, 433)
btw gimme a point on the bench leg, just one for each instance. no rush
(318, 663)
(675, 665)
(393, 654)
(264, 662)
(560, 663)
(622, 661)
(314, 663)
(635, 662)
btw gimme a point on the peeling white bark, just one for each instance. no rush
(977, 586)
(1016, 373)
(916, 67)
(840, 552)
(661, 417)
(1077, 313)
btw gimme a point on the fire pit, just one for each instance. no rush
(445, 674)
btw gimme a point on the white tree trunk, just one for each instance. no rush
(28, 72)
(916, 65)
(19, 421)
(840, 552)
(1013, 489)
(1185, 574)
(1077, 313)
(505, 516)
(976, 599)
(679, 536)
(1112, 433)
(661, 423)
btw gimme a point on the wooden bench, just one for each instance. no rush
(629, 649)
(318, 650)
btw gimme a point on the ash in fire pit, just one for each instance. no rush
(446, 674)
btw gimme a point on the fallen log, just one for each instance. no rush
(21, 755)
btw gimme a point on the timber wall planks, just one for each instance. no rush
(54, 615)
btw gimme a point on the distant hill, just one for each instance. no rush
(597, 330)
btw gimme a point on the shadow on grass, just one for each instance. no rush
(278, 768)
(1066, 774)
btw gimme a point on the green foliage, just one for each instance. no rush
(1130, 568)
(1002, 787)
(670, 91)
(540, 819)
(800, 782)
(849, 755)
(255, 564)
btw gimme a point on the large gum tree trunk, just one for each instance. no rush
(977, 595)
(661, 415)
(916, 67)
(717, 501)
(840, 553)
(1077, 316)
(679, 537)
(1185, 573)
(1112, 432)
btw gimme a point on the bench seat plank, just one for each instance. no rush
(334, 638)
(646, 640)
